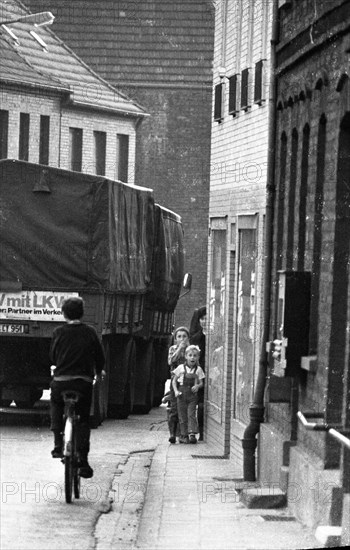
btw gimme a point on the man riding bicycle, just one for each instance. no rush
(78, 355)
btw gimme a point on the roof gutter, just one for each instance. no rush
(94, 107)
(256, 409)
(35, 85)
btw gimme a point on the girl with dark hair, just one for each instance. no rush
(176, 357)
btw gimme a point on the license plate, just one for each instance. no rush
(13, 328)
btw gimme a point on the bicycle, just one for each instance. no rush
(71, 459)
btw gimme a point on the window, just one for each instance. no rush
(4, 130)
(23, 151)
(76, 148)
(291, 200)
(259, 82)
(217, 318)
(303, 194)
(218, 102)
(245, 85)
(122, 157)
(100, 153)
(44, 139)
(317, 233)
(246, 330)
(232, 98)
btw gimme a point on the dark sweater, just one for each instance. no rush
(76, 351)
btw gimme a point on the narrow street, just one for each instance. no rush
(34, 513)
(145, 494)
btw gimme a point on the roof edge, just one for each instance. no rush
(28, 84)
(120, 111)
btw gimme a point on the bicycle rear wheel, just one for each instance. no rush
(76, 483)
(68, 459)
(76, 476)
(68, 478)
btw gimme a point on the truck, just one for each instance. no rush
(67, 233)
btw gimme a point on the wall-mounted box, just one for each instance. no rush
(293, 323)
(309, 363)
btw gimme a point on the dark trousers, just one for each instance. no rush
(187, 408)
(200, 410)
(82, 409)
(173, 417)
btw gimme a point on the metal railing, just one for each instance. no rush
(322, 427)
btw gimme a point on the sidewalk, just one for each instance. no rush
(191, 503)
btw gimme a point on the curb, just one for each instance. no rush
(118, 524)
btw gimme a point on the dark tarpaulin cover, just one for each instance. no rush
(168, 262)
(61, 229)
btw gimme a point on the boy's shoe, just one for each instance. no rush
(172, 439)
(85, 470)
(57, 452)
(193, 438)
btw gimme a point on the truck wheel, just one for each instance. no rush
(158, 393)
(105, 383)
(5, 402)
(28, 403)
(144, 387)
(129, 393)
(95, 414)
(123, 409)
(162, 370)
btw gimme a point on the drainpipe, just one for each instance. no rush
(256, 409)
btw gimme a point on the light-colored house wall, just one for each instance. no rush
(38, 103)
(239, 149)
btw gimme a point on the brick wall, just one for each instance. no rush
(172, 157)
(307, 91)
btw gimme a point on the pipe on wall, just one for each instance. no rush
(256, 409)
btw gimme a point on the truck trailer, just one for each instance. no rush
(67, 233)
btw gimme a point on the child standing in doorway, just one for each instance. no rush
(187, 380)
(176, 357)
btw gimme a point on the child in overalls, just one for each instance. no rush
(176, 357)
(187, 380)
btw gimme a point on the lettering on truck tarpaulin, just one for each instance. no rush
(33, 305)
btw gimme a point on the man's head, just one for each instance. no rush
(73, 308)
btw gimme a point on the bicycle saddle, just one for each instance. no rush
(71, 395)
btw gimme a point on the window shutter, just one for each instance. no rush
(232, 102)
(4, 129)
(23, 149)
(218, 103)
(44, 146)
(245, 89)
(259, 82)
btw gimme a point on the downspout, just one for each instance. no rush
(256, 409)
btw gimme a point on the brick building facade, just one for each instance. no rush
(279, 238)
(160, 54)
(310, 306)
